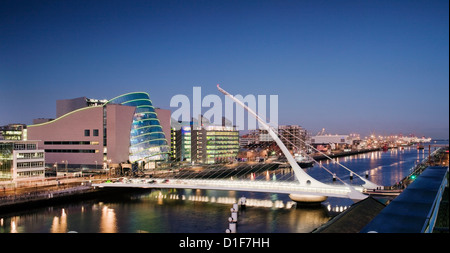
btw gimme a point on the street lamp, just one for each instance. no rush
(56, 169)
(66, 166)
(104, 167)
(109, 168)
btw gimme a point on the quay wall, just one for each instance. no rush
(343, 153)
(11, 202)
(41, 198)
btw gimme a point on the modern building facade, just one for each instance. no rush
(164, 117)
(205, 144)
(335, 142)
(215, 144)
(92, 132)
(21, 160)
(181, 144)
(147, 139)
(293, 137)
(13, 132)
(331, 139)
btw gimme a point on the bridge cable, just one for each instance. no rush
(368, 182)
(320, 165)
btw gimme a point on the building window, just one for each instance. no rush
(70, 150)
(95, 132)
(87, 132)
(19, 146)
(31, 146)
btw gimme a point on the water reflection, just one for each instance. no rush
(13, 226)
(59, 224)
(167, 211)
(224, 200)
(280, 215)
(108, 221)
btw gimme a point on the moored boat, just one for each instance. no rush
(304, 161)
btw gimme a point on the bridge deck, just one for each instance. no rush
(340, 191)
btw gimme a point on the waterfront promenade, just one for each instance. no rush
(31, 192)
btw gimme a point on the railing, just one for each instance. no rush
(243, 185)
(432, 216)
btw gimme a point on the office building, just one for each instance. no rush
(21, 160)
(328, 139)
(15, 132)
(334, 142)
(293, 137)
(204, 143)
(215, 144)
(181, 145)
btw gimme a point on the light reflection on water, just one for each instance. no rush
(185, 211)
(191, 211)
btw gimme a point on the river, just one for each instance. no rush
(207, 211)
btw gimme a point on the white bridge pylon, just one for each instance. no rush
(303, 178)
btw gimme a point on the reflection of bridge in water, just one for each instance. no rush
(253, 202)
(304, 189)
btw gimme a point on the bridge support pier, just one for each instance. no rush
(232, 226)
(233, 219)
(304, 199)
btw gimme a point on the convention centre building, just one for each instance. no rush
(96, 133)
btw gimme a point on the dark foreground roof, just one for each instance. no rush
(354, 218)
(411, 210)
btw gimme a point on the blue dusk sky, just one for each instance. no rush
(368, 66)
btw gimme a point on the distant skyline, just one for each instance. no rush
(347, 66)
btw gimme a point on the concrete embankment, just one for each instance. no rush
(43, 196)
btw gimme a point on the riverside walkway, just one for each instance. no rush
(416, 209)
(25, 193)
(30, 197)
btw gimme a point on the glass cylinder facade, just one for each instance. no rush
(147, 139)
